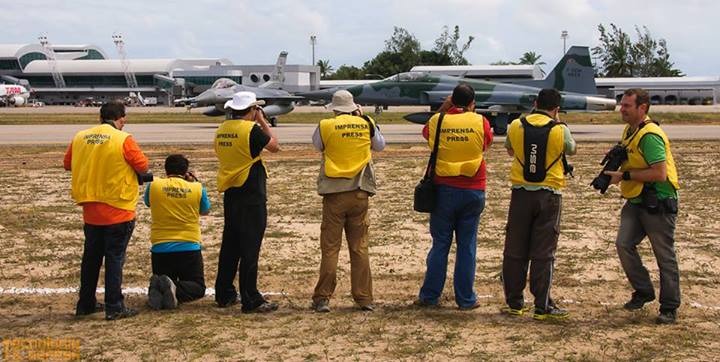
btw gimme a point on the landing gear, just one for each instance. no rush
(379, 109)
(499, 122)
(273, 121)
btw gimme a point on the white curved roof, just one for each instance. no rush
(104, 66)
(18, 50)
(659, 81)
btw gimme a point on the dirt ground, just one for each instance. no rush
(41, 239)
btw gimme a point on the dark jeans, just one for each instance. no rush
(635, 224)
(531, 237)
(185, 268)
(457, 211)
(109, 242)
(242, 237)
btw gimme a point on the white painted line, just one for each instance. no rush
(131, 290)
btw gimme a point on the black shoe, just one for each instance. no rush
(227, 303)
(667, 317)
(552, 312)
(125, 312)
(154, 293)
(266, 307)
(99, 307)
(638, 300)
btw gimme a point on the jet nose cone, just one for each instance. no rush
(205, 98)
(600, 104)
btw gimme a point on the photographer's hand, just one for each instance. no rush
(615, 176)
(190, 177)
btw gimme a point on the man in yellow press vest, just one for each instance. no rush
(538, 145)
(242, 180)
(104, 161)
(460, 180)
(346, 181)
(176, 203)
(649, 182)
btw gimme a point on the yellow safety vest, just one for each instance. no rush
(175, 208)
(554, 178)
(232, 147)
(346, 139)
(632, 188)
(462, 138)
(99, 170)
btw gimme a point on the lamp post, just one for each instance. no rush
(313, 41)
(563, 36)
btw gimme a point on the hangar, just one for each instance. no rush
(73, 73)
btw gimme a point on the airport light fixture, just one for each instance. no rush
(564, 36)
(313, 41)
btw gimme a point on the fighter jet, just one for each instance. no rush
(13, 95)
(499, 102)
(277, 101)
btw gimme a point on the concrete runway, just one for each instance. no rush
(301, 133)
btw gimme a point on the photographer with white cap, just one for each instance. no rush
(345, 182)
(239, 141)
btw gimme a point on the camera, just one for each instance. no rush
(144, 177)
(612, 161)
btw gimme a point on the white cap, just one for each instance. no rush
(243, 100)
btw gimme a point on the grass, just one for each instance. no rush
(41, 239)
(314, 117)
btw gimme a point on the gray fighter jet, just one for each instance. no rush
(499, 102)
(277, 101)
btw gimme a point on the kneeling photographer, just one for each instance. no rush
(649, 182)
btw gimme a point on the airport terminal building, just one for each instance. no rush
(72, 74)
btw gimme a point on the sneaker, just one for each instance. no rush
(99, 307)
(266, 307)
(167, 287)
(514, 311)
(667, 317)
(125, 312)
(425, 304)
(638, 300)
(322, 306)
(154, 293)
(365, 308)
(475, 305)
(552, 312)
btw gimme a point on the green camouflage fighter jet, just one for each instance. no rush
(499, 102)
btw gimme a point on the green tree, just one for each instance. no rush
(325, 68)
(401, 53)
(618, 56)
(447, 49)
(530, 58)
(348, 72)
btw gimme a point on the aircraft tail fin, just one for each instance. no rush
(574, 73)
(277, 79)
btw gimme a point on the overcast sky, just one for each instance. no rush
(352, 32)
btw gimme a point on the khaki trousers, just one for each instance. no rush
(348, 211)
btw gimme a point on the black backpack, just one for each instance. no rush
(535, 147)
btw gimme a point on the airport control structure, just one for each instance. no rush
(85, 75)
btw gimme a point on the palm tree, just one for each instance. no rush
(530, 58)
(325, 68)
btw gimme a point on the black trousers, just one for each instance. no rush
(242, 237)
(531, 236)
(107, 242)
(185, 268)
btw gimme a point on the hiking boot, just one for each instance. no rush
(266, 307)
(514, 311)
(638, 300)
(322, 306)
(365, 308)
(99, 307)
(167, 287)
(425, 304)
(552, 312)
(667, 317)
(475, 305)
(125, 312)
(154, 293)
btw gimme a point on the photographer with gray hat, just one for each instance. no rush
(345, 182)
(239, 141)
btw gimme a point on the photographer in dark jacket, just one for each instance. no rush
(649, 181)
